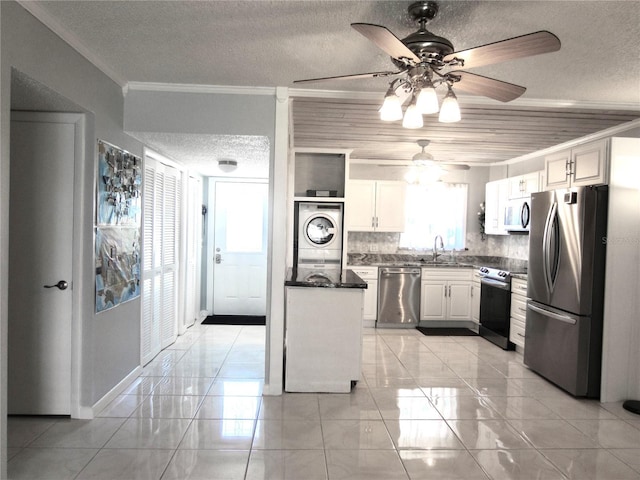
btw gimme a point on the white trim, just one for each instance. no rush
(409, 163)
(469, 100)
(195, 88)
(113, 393)
(74, 42)
(609, 132)
(277, 255)
(79, 207)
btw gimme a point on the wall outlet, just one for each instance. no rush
(373, 248)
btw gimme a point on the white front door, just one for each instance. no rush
(40, 266)
(240, 248)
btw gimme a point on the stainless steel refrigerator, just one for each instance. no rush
(567, 239)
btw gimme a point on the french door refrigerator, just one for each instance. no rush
(565, 283)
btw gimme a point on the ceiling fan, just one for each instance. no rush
(425, 61)
(423, 161)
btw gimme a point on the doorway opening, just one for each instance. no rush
(238, 244)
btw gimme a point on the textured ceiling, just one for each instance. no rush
(272, 43)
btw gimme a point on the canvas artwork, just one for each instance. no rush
(117, 260)
(119, 186)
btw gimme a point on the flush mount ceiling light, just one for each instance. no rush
(426, 61)
(227, 166)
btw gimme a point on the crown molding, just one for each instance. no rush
(195, 88)
(470, 100)
(74, 42)
(608, 132)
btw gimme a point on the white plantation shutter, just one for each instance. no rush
(170, 232)
(161, 214)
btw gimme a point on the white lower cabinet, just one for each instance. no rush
(475, 297)
(518, 311)
(446, 294)
(369, 275)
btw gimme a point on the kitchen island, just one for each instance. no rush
(323, 330)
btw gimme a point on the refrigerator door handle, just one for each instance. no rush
(546, 248)
(555, 316)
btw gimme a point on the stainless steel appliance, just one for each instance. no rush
(517, 216)
(563, 337)
(495, 306)
(398, 297)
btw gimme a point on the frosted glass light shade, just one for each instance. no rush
(391, 109)
(412, 117)
(427, 100)
(450, 110)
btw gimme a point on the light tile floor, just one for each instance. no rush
(427, 407)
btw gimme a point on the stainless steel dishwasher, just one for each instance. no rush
(398, 297)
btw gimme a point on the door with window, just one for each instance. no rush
(240, 248)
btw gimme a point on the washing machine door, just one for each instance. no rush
(320, 230)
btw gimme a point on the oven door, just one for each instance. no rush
(495, 312)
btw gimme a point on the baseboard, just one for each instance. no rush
(115, 391)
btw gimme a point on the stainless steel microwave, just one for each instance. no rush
(517, 216)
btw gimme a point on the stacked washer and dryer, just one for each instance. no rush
(318, 239)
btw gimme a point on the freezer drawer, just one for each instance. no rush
(558, 347)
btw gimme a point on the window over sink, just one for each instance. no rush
(435, 209)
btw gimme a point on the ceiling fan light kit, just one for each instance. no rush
(426, 61)
(450, 111)
(413, 115)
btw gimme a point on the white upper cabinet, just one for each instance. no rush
(582, 165)
(375, 206)
(496, 197)
(523, 186)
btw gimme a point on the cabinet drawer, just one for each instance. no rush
(519, 286)
(366, 273)
(447, 274)
(516, 333)
(519, 307)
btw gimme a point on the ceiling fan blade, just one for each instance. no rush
(485, 86)
(512, 48)
(385, 40)
(351, 77)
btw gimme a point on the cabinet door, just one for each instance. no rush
(496, 194)
(360, 205)
(475, 302)
(530, 183)
(556, 170)
(390, 199)
(589, 164)
(371, 300)
(433, 302)
(459, 301)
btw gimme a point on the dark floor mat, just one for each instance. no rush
(443, 332)
(234, 320)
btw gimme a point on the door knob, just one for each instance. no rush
(62, 285)
(218, 258)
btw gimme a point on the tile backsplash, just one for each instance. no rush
(507, 246)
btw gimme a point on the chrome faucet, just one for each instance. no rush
(435, 246)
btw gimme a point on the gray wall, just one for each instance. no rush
(201, 113)
(111, 340)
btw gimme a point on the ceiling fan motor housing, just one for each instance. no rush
(423, 43)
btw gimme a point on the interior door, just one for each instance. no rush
(40, 256)
(240, 239)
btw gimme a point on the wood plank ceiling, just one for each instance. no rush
(486, 134)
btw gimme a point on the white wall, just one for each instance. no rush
(111, 339)
(621, 351)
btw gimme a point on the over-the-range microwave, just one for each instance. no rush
(517, 216)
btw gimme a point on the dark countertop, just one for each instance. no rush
(514, 266)
(316, 278)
